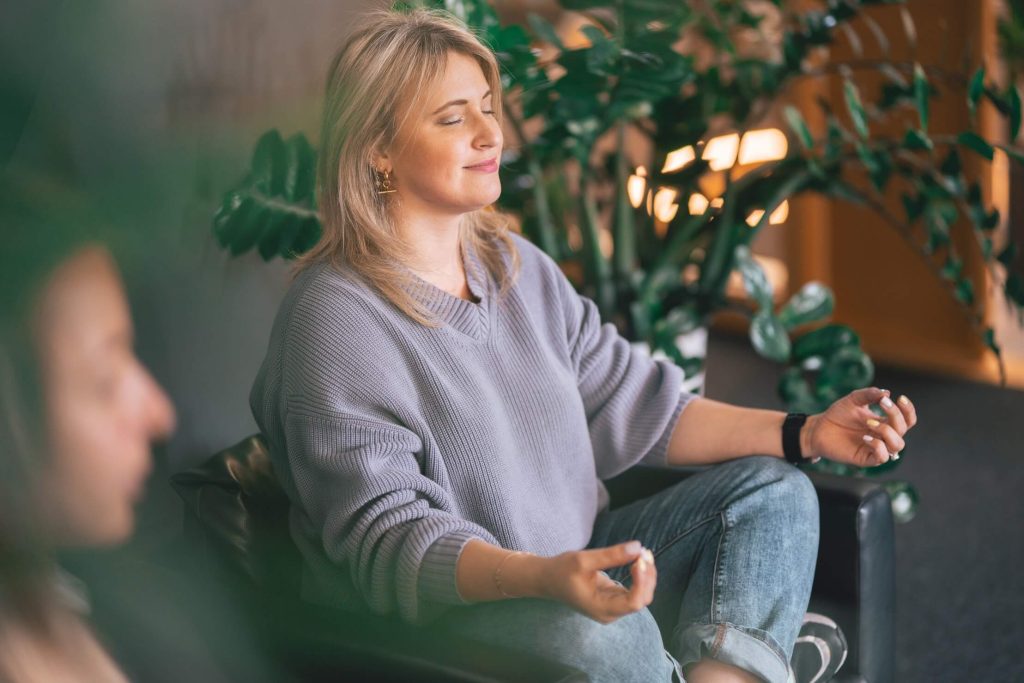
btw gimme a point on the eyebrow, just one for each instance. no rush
(459, 102)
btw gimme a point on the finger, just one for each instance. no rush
(645, 576)
(875, 452)
(894, 415)
(612, 556)
(867, 396)
(617, 601)
(908, 410)
(893, 441)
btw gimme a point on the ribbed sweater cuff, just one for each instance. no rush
(659, 454)
(437, 572)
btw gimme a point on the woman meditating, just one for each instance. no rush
(442, 407)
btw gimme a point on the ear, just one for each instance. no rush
(379, 158)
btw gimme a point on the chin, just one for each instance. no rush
(116, 531)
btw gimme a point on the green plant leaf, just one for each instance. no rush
(964, 292)
(856, 109)
(813, 302)
(755, 281)
(543, 29)
(796, 121)
(273, 208)
(796, 391)
(921, 95)
(824, 341)
(976, 143)
(1008, 255)
(975, 90)
(1015, 288)
(917, 140)
(768, 337)
(847, 369)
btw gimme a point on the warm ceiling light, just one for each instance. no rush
(697, 205)
(720, 152)
(679, 158)
(665, 206)
(636, 186)
(779, 215)
(767, 144)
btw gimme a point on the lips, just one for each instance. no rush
(489, 166)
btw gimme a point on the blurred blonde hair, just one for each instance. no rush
(376, 80)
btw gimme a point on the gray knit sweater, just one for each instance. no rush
(398, 443)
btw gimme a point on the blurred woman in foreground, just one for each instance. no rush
(78, 413)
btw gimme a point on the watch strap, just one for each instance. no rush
(791, 427)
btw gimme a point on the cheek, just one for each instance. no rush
(98, 465)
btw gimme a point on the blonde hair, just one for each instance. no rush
(391, 59)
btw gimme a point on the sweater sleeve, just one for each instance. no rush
(395, 530)
(632, 401)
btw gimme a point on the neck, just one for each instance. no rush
(435, 243)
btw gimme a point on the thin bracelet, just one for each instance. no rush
(497, 574)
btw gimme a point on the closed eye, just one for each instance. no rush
(452, 122)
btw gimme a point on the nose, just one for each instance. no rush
(159, 415)
(488, 133)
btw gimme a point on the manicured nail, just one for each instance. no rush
(647, 555)
(904, 400)
(868, 438)
(873, 423)
(633, 547)
(887, 402)
(896, 456)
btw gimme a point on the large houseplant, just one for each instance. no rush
(674, 73)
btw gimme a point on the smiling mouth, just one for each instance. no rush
(490, 165)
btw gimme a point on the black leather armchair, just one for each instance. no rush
(237, 515)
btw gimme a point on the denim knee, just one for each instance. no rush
(791, 489)
(628, 649)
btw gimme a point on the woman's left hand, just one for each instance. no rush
(849, 433)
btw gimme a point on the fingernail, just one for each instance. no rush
(873, 423)
(868, 438)
(896, 456)
(641, 563)
(633, 547)
(647, 555)
(887, 402)
(904, 400)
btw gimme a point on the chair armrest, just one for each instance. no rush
(857, 569)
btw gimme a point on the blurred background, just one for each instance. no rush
(154, 108)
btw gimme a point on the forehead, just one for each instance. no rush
(82, 309)
(462, 78)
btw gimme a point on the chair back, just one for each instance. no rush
(236, 510)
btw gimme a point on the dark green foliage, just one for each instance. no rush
(273, 208)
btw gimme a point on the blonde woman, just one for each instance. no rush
(442, 406)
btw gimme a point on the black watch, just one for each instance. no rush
(791, 427)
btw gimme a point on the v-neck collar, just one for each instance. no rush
(469, 318)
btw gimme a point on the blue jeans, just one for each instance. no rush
(735, 547)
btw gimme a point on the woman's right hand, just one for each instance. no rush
(576, 578)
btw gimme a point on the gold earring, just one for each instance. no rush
(384, 183)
